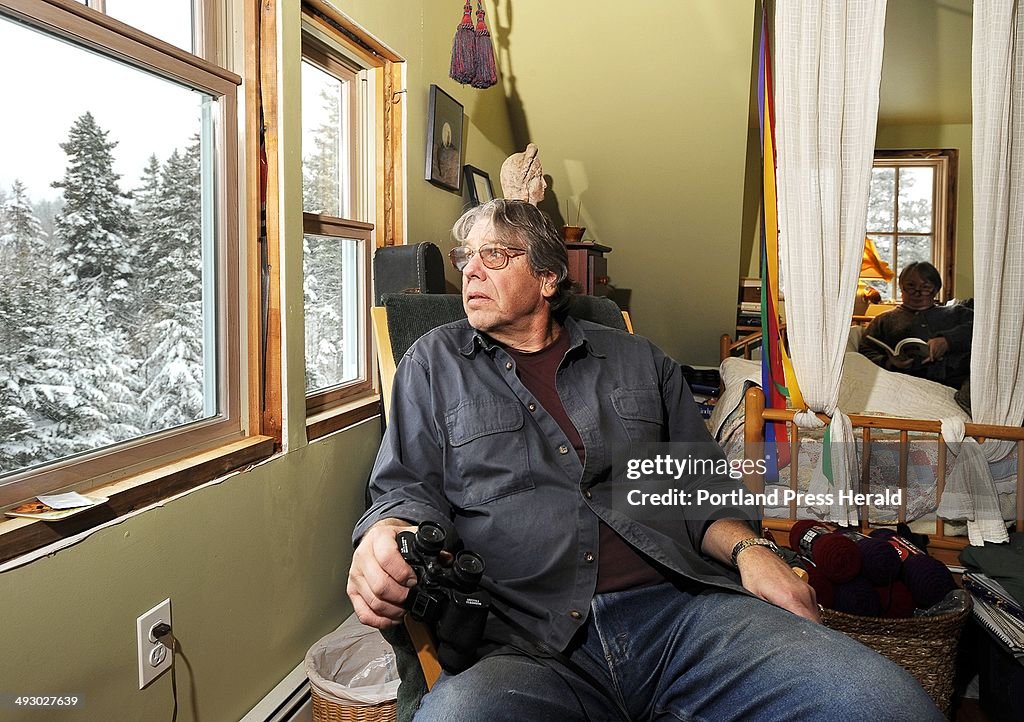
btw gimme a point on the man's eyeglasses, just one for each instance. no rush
(492, 255)
(925, 290)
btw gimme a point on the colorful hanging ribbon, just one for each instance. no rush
(777, 377)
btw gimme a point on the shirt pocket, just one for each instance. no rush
(489, 451)
(640, 411)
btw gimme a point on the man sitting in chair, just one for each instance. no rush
(502, 428)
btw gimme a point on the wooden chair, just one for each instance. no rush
(397, 324)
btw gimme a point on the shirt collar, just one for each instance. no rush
(577, 337)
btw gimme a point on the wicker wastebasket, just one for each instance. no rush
(924, 646)
(352, 675)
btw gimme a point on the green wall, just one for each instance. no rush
(640, 111)
(255, 566)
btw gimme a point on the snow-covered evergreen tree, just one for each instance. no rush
(174, 366)
(25, 302)
(21, 233)
(321, 185)
(322, 258)
(84, 383)
(95, 230)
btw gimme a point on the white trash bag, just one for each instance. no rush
(353, 666)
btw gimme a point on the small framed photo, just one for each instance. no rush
(478, 184)
(444, 140)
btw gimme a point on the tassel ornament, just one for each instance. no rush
(486, 73)
(463, 67)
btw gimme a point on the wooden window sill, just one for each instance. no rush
(20, 536)
(338, 417)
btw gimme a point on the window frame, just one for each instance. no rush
(319, 54)
(174, 459)
(945, 162)
(382, 181)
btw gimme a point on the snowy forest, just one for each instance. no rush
(101, 307)
(905, 215)
(100, 292)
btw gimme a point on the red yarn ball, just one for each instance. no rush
(895, 600)
(824, 591)
(857, 596)
(927, 578)
(881, 561)
(838, 557)
(797, 531)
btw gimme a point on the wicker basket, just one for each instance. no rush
(924, 646)
(326, 710)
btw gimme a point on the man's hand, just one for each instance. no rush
(379, 579)
(765, 575)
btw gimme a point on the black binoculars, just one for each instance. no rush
(447, 597)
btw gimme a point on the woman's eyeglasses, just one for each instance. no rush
(492, 255)
(912, 290)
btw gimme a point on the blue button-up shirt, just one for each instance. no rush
(468, 447)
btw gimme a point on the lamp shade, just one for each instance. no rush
(872, 265)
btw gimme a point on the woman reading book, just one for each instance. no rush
(945, 356)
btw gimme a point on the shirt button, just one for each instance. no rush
(563, 449)
(588, 494)
(588, 557)
(508, 365)
(576, 614)
(531, 406)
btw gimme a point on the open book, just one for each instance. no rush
(907, 348)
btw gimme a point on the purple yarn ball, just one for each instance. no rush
(883, 533)
(927, 578)
(857, 596)
(881, 562)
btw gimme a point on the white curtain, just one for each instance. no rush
(828, 67)
(997, 371)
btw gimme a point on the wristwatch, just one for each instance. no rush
(750, 542)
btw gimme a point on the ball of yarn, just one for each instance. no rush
(883, 533)
(797, 531)
(880, 561)
(824, 591)
(895, 600)
(857, 596)
(838, 557)
(927, 578)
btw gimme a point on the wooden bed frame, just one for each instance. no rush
(946, 548)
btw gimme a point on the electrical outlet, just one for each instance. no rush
(155, 656)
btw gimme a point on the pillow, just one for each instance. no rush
(868, 388)
(737, 375)
(853, 341)
(865, 389)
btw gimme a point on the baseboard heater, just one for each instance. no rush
(289, 701)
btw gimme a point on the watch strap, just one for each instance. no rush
(750, 542)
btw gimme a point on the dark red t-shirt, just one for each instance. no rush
(619, 565)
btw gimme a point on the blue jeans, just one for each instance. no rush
(666, 654)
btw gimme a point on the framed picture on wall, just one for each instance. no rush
(444, 140)
(478, 184)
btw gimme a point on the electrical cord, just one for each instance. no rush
(160, 631)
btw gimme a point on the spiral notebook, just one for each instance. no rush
(997, 611)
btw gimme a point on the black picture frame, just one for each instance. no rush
(478, 185)
(444, 141)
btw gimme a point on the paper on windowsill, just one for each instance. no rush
(54, 507)
(70, 500)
